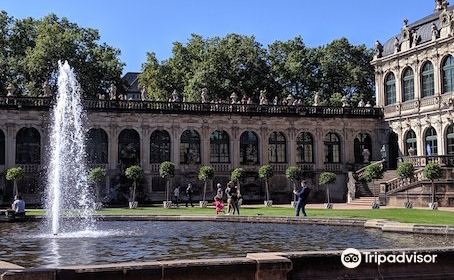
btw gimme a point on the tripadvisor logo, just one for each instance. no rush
(352, 258)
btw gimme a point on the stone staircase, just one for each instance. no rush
(362, 202)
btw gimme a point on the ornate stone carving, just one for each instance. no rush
(361, 103)
(345, 101)
(414, 38)
(435, 32)
(276, 101)
(351, 186)
(204, 95)
(234, 98)
(263, 99)
(396, 45)
(47, 92)
(10, 89)
(366, 155)
(289, 100)
(317, 99)
(175, 96)
(113, 92)
(378, 49)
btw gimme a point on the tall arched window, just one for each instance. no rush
(450, 140)
(448, 74)
(332, 148)
(28, 146)
(159, 146)
(190, 147)
(361, 142)
(97, 146)
(408, 85)
(427, 80)
(305, 148)
(431, 144)
(249, 148)
(219, 147)
(277, 148)
(129, 147)
(2, 147)
(410, 143)
(390, 89)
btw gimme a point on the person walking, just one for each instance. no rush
(234, 193)
(176, 195)
(219, 192)
(229, 197)
(301, 195)
(189, 192)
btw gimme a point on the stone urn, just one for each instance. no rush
(203, 204)
(133, 204)
(328, 206)
(167, 204)
(433, 205)
(268, 203)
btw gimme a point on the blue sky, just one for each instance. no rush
(138, 26)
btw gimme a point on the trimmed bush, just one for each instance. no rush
(266, 173)
(134, 173)
(206, 173)
(405, 170)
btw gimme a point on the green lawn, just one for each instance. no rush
(420, 216)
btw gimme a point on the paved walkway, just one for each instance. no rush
(349, 206)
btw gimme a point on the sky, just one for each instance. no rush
(140, 26)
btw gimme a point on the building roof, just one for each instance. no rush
(423, 29)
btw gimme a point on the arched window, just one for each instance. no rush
(427, 80)
(28, 146)
(448, 74)
(128, 147)
(332, 148)
(249, 148)
(408, 85)
(430, 138)
(190, 147)
(450, 140)
(277, 148)
(362, 142)
(219, 147)
(97, 146)
(305, 148)
(410, 143)
(2, 147)
(159, 146)
(390, 89)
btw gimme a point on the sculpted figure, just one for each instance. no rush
(204, 95)
(113, 92)
(275, 101)
(378, 49)
(46, 89)
(234, 98)
(263, 100)
(11, 89)
(175, 96)
(366, 155)
(361, 103)
(344, 101)
(317, 99)
(290, 99)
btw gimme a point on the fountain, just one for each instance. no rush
(67, 184)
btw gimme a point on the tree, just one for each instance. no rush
(266, 173)
(373, 172)
(167, 171)
(406, 170)
(31, 49)
(433, 171)
(135, 174)
(294, 174)
(15, 174)
(237, 175)
(205, 173)
(96, 176)
(326, 179)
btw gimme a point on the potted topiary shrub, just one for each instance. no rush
(96, 176)
(326, 179)
(237, 176)
(372, 173)
(266, 173)
(205, 173)
(135, 174)
(432, 171)
(167, 171)
(405, 171)
(293, 174)
(15, 174)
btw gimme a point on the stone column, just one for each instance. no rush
(175, 143)
(319, 145)
(235, 147)
(205, 144)
(145, 147)
(113, 147)
(419, 131)
(417, 81)
(398, 86)
(10, 138)
(291, 147)
(438, 79)
(263, 146)
(379, 92)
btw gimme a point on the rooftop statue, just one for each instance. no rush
(300, 102)
(244, 99)
(263, 100)
(47, 92)
(249, 101)
(317, 99)
(143, 93)
(113, 92)
(204, 95)
(276, 101)
(435, 32)
(368, 105)
(234, 98)
(414, 38)
(11, 89)
(361, 103)
(289, 99)
(345, 101)
(175, 96)
(396, 44)
(378, 49)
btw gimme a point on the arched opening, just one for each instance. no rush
(362, 142)
(249, 148)
(190, 147)
(97, 146)
(390, 89)
(219, 147)
(128, 147)
(277, 146)
(450, 140)
(448, 74)
(410, 143)
(408, 85)
(427, 79)
(28, 146)
(2, 147)
(332, 148)
(305, 148)
(431, 143)
(159, 146)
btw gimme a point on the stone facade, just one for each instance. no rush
(144, 118)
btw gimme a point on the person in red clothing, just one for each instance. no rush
(218, 205)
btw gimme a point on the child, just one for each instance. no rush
(219, 206)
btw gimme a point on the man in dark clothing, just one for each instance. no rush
(301, 195)
(189, 195)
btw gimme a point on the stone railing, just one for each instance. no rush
(154, 167)
(333, 167)
(279, 167)
(419, 161)
(397, 184)
(221, 167)
(307, 166)
(360, 172)
(30, 168)
(42, 103)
